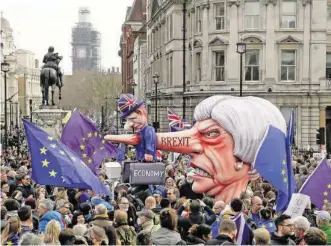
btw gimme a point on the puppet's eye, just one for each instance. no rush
(212, 134)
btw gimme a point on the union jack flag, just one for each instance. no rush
(175, 121)
(128, 102)
(186, 125)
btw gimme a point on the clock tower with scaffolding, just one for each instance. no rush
(86, 41)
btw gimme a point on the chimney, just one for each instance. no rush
(108, 70)
(36, 63)
(112, 69)
(118, 70)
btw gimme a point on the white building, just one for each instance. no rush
(7, 54)
(287, 59)
(140, 64)
(28, 80)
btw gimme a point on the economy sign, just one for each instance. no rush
(147, 173)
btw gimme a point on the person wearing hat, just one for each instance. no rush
(134, 112)
(146, 221)
(323, 219)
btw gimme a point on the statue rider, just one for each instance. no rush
(52, 60)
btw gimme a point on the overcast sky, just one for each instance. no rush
(37, 24)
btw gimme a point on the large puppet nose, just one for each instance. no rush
(180, 142)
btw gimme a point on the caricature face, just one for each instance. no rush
(211, 150)
(215, 164)
(137, 119)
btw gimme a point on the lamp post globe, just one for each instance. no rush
(241, 49)
(5, 67)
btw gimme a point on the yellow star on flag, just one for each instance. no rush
(84, 155)
(95, 134)
(325, 193)
(285, 180)
(53, 146)
(326, 201)
(103, 141)
(329, 186)
(83, 139)
(283, 172)
(89, 161)
(82, 146)
(52, 173)
(9, 243)
(284, 162)
(43, 150)
(45, 163)
(50, 138)
(62, 152)
(89, 134)
(270, 224)
(263, 226)
(218, 220)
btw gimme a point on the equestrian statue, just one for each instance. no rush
(51, 75)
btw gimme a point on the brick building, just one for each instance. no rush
(133, 27)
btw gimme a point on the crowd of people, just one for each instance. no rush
(33, 214)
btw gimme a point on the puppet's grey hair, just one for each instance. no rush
(245, 118)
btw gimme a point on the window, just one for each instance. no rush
(252, 65)
(328, 65)
(171, 27)
(198, 66)
(198, 17)
(219, 15)
(329, 12)
(219, 63)
(252, 15)
(171, 71)
(288, 65)
(289, 9)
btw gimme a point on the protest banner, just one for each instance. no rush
(297, 205)
(147, 173)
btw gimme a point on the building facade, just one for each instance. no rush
(140, 66)
(7, 54)
(133, 27)
(287, 62)
(86, 42)
(28, 81)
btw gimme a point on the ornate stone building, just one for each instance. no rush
(288, 57)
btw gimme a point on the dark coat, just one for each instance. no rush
(26, 190)
(276, 240)
(221, 240)
(185, 223)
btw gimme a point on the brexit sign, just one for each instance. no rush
(147, 173)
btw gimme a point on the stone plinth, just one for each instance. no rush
(49, 119)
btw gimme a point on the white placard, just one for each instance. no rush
(297, 205)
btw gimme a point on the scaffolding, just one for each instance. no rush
(86, 43)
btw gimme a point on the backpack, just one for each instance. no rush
(126, 235)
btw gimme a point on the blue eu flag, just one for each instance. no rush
(53, 163)
(273, 164)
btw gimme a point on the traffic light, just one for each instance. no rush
(320, 136)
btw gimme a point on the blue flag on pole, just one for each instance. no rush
(53, 163)
(291, 129)
(83, 137)
(318, 185)
(271, 162)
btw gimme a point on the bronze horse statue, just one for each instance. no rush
(49, 77)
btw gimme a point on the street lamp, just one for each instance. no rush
(156, 77)
(241, 49)
(133, 85)
(5, 67)
(30, 104)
